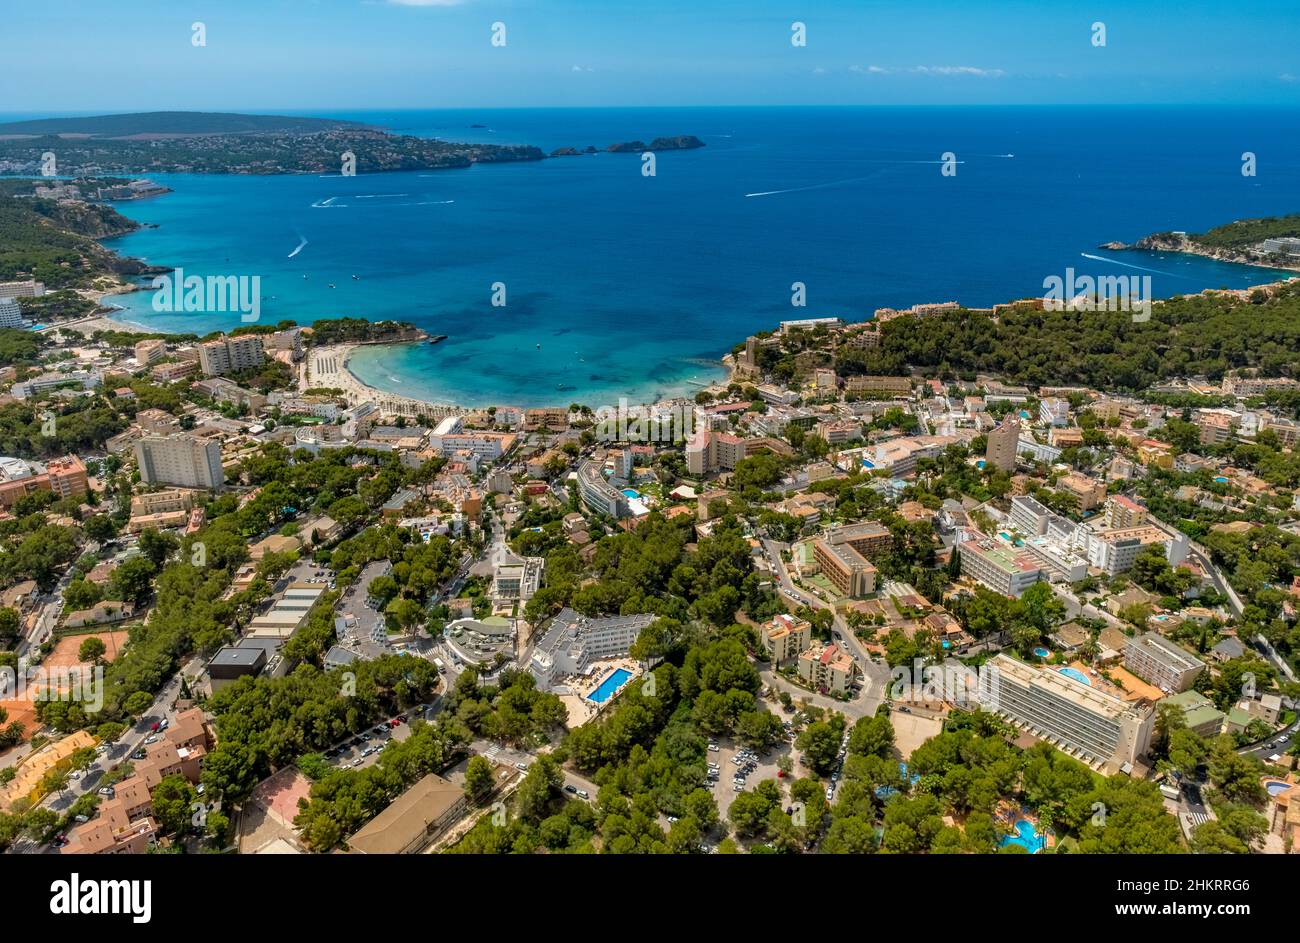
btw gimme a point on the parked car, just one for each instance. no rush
(582, 794)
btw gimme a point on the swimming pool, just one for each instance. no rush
(616, 679)
(1041, 652)
(1276, 787)
(1076, 674)
(1026, 837)
(1221, 480)
(631, 493)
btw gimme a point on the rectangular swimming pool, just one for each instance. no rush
(617, 678)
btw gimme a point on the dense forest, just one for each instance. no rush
(1247, 232)
(1186, 336)
(55, 243)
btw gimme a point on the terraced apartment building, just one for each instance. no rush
(1094, 727)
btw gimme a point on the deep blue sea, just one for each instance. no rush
(618, 284)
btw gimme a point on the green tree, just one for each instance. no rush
(478, 778)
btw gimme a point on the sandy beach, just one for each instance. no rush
(88, 326)
(328, 367)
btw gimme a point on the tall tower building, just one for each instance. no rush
(1002, 443)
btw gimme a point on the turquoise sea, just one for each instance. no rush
(618, 284)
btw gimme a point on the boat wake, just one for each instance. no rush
(815, 186)
(1153, 271)
(302, 244)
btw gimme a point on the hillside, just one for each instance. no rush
(171, 124)
(56, 243)
(1206, 334)
(1248, 232)
(1237, 241)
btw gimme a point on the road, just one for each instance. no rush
(875, 675)
(521, 759)
(1283, 739)
(1074, 607)
(118, 752)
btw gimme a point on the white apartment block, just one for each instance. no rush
(597, 493)
(1161, 662)
(1054, 411)
(231, 354)
(574, 641)
(487, 446)
(183, 460)
(1092, 726)
(1029, 515)
(11, 315)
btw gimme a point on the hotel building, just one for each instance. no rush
(183, 460)
(849, 571)
(231, 354)
(597, 493)
(1029, 515)
(1097, 728)
(1161, 662)
(11, 315)
(574, 641)
(1114, 550)
(995, 564)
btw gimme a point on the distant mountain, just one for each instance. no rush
(173, 124)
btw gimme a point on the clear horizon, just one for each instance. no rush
(348, 55)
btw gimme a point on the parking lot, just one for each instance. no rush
(733, 760)
(364, 748)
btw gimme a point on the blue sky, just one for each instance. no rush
(93, 55)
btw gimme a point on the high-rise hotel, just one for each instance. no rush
(1090, 725)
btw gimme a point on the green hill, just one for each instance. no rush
(173, 123)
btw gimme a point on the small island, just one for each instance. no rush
(1270, 241)
(680, 142)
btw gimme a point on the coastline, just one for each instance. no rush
(1181, 244)
(328, 367)
(332, 367)
(97, 322)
